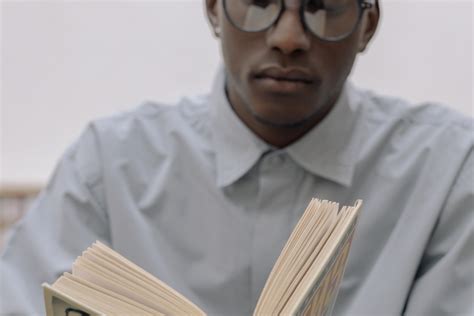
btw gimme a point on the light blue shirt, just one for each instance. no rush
(189, 193)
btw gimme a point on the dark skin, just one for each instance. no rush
(282, 117)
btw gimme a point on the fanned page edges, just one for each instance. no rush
(313, 245)
(159, 286)
(105, 281)
(304, 280)
(318, 291)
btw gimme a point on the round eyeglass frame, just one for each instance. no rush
(363, 5)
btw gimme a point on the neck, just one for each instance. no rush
(279, 135)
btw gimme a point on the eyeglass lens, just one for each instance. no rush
(327, 19)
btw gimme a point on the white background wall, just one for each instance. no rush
(64, 63)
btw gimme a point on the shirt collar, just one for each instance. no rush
(327, 150)
(237, 147)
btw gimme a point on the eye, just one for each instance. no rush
(335, 11)
(313, 5)
(261, 3)
(336, 7)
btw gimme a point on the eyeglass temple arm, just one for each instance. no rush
(368, 3)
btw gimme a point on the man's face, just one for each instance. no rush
(284, 76)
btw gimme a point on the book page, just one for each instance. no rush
(315, 215)
(141, 275)
(321, 299)
(319, 287)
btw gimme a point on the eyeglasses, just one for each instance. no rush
(329, 20)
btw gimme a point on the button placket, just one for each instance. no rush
(272, 216)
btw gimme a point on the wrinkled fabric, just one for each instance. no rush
(190, 194)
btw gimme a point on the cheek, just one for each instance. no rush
(339, 60)
(239, 49)
(240, 54)
(230, 48)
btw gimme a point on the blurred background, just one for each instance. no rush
(64, 63)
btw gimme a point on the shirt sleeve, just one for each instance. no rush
(445, 279)
(64, 220)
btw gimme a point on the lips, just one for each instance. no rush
(285, 74)
(277, 80)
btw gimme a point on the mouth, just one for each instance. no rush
(284, 80)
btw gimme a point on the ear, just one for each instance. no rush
(369, 26)
(212, 9)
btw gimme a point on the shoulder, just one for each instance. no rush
(388, 108)
(151, 126)
(152, 118)
(413, 141)
(430, 123)
(150, 132)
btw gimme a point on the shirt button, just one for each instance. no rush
(276, 159)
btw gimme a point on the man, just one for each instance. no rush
(205, 194)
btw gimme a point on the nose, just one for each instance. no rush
(288, 35)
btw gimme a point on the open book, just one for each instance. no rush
(304, 280)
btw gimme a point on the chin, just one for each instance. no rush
(282, 120)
